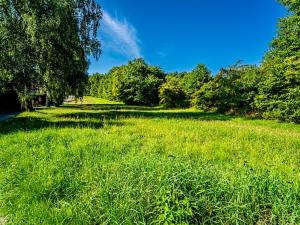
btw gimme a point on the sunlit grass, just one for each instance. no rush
(98, 162)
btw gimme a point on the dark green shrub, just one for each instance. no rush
(141, 83)
(172, 94)
(232, 90)
(195, 79)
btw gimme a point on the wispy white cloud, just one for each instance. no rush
(120, 36)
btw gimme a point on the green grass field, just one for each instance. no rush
(100, 162)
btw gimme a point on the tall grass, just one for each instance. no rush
(106, 163)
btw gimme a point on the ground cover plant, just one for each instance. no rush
(102, 162)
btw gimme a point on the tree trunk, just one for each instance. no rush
(47, 99)
(27, 103)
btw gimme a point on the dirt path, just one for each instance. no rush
(6, 116)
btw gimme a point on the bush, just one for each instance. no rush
(134, 84)
(141, 83)
(172, 94)
(206, 98)
(195, 79)
(284, 106)
(279, 93)
(232, 90)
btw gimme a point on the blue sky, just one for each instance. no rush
(179, 34)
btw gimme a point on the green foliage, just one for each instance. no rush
(135, 84)
(172, 94)
(194, 80)
(44, 46)
(107, 86)
(232, 90)
(292, 5)
(279, 93)
(206, 98)
(141, 83)
(179, 89)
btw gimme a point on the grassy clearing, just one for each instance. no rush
(99, 162)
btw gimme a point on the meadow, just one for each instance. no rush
(102, 162)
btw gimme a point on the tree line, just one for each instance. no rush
(270, 90)
(44, 46)
(44, 49)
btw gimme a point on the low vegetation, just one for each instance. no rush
(101, 162)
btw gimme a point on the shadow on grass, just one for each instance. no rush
(109, 107)
(116, 111)
(111, 115)
(33, 123)
(116, 115)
